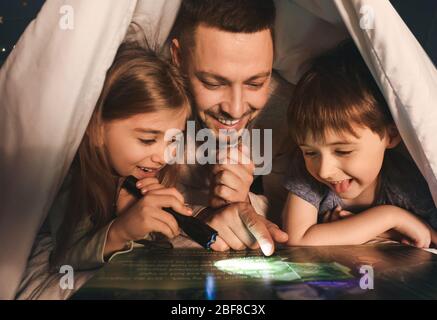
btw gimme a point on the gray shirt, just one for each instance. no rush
(401, 184)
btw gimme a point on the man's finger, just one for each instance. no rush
(219, 245)
(258, 229)
(277, 234)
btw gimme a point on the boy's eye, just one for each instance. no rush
(148, 142)
(309, 153)
(343, 152)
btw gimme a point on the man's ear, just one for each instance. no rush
(394, 138)
(175, 50)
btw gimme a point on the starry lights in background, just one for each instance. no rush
(15, 15)
(419, 15)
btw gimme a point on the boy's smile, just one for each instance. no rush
(348, 164)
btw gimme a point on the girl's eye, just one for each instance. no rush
(342, 152)
(148, 142)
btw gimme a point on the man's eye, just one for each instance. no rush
(148, 142)
(255, 85)
(211, 86)
(343, 152)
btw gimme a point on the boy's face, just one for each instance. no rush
(347, 164)
(135, 146)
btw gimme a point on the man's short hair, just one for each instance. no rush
(238, 16)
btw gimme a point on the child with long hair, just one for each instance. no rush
(93, 217)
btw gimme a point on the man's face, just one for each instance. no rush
(229, 76)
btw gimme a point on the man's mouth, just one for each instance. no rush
(340, 186)
(228, 124)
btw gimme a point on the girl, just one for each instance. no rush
(143, 96)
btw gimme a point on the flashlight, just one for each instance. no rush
(197, 230)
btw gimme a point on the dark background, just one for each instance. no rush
(419, 15)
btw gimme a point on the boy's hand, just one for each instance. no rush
(416, 232)
(231, 181)
(336, 214)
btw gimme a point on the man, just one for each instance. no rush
(226, 50)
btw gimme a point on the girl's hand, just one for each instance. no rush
(126, 200)
(336, 214)
(416, 232)
(147, 215)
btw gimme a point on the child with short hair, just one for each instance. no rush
(348, 168)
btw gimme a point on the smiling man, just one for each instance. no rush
(226, 50)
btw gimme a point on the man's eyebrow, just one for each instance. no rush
(204, 74)
(259, 75)
(146, 130)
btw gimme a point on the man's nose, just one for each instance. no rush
(235, 106)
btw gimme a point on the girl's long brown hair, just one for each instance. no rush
(137, 82)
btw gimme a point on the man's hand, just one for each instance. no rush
(240, 227)
(231, 181)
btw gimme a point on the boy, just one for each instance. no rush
(349, 162)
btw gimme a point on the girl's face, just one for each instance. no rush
(135, 146)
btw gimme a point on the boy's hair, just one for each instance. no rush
(238, 16)
(337, 91)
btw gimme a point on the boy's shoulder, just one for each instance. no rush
(299, 182)
(403, 185)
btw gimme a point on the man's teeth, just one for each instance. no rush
(227, 122)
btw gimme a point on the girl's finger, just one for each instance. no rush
(168, 219)
(157, 225)
(141, 183)
(168, 191)
(152, 187)
(169, 201)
